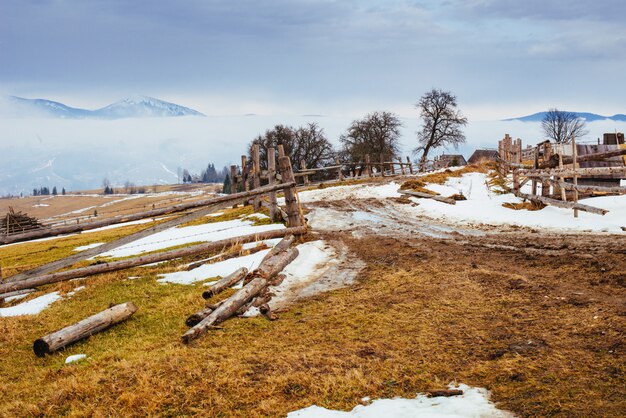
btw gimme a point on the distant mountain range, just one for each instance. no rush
(131, 107)
(589, 117)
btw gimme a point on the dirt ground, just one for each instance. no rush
(538, 318)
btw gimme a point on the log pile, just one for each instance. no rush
(16, 222)
(254, 293)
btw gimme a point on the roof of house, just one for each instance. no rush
(483, 154)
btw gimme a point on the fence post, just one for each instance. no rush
(244, 176)
(368, 167)
(291, 200)
(382, 165)
(233, 179)
(401, 165)
(575, 179)
(545, 184)
(536, 167)
(393, 168)
(281, 150)
(339, 172)
(408, 161)
(271, 178)
(256, 174)
(306, 176)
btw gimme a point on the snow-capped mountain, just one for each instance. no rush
(589, 117)
(143, 107)
(18, 106)
(131, 107)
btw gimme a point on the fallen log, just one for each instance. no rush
(195, 318)
(225, 282)
(83, 329)
(444, 392)
(146, 259)
(428, 196)
(49, 232)
(263, 274)
(562, 204)
(16, 293)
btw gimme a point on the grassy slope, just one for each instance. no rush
(409, 325)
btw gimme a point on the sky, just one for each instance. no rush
(288, 62)
(339, 58)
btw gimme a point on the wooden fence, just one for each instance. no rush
(557, 169)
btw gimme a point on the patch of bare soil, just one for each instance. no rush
(538, 318)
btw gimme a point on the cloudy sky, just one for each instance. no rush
(501, 58)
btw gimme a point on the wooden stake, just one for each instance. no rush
(575, 167)
(368, 168)
(271, 176)
(408, 161)
(234, 187)
(303, 168)
(256, 173)
(291, 200)
(83, 329)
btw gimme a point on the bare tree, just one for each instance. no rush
(442, 122)
(308, 143)
(561, 126)
(378, 133)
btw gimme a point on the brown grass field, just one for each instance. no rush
(538, 319)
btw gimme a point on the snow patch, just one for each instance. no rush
(197, 233)
(219, 269)
(75, 358)
(31, 307)
(88, 246)
(474, 403)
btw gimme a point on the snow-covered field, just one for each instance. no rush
(484, 207)
(473, 403)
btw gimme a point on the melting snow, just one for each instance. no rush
(473, 403)
(74, 358)
(197, 233)
(88, 246)
(485, 207)
(221, 269)
(31, 307)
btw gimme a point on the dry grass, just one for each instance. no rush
(424, 313)
(417, 185)
(531, 206)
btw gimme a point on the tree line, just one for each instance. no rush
(377, 133)
(45, 191)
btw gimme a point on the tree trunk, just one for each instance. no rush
(231, 305)
(83, 329)
(226, 282)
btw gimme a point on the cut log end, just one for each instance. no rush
(41, 348)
